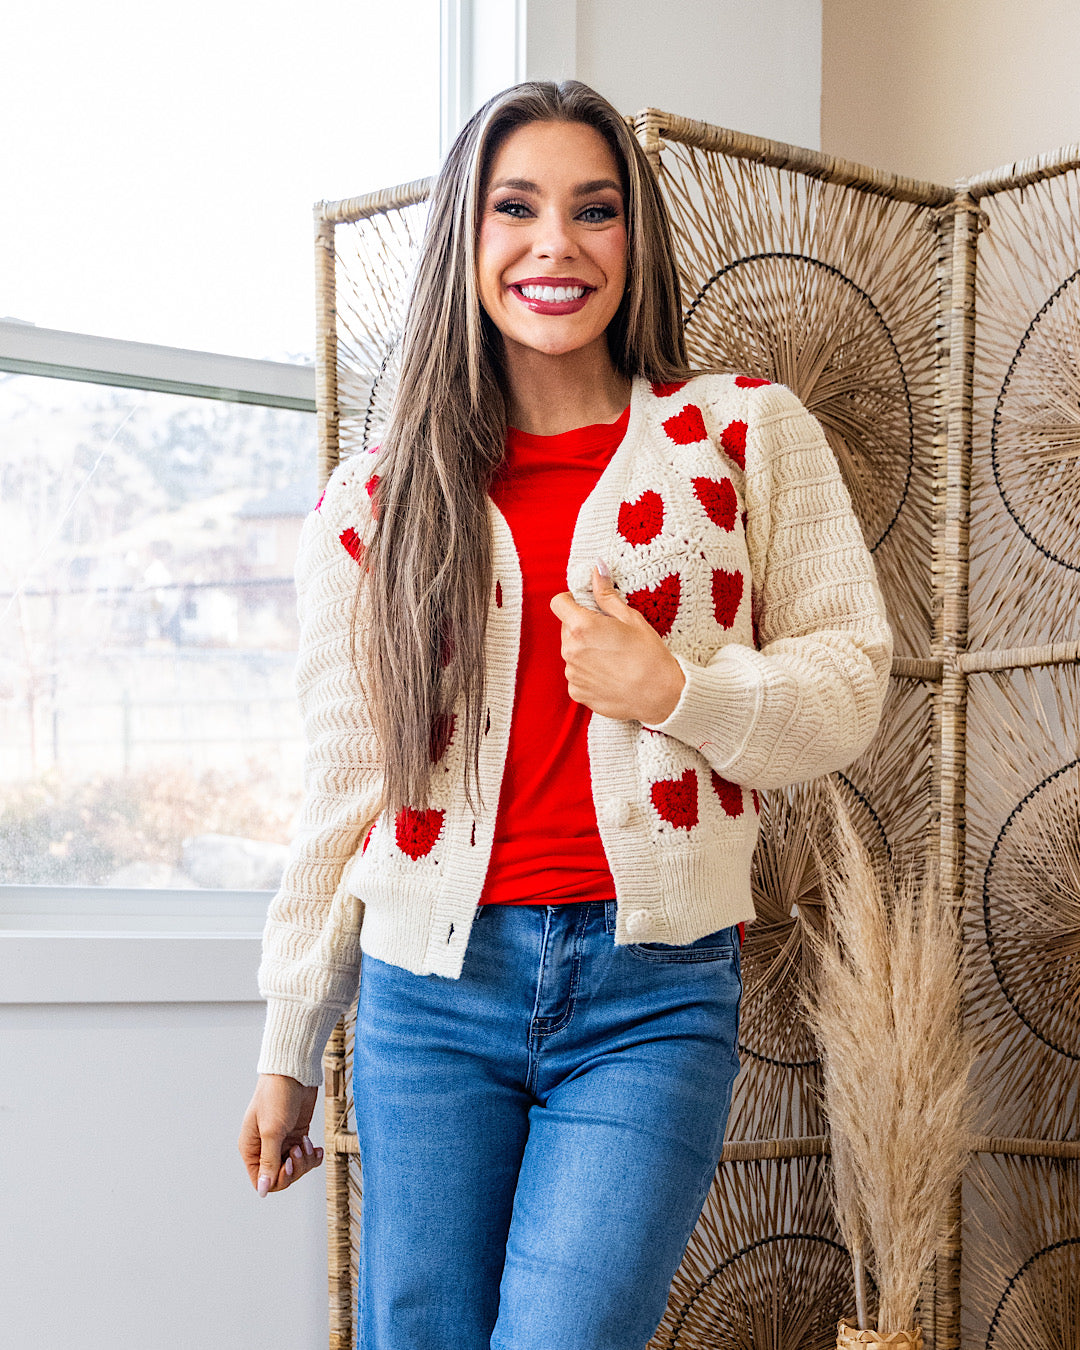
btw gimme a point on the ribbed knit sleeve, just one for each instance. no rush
(311, 944)
(809, 699)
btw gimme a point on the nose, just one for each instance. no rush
(554, 237)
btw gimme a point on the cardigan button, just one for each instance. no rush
(638, 922)
(616, 814)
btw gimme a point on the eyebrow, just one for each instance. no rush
(582, 190)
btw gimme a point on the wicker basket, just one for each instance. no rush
(847, 1338)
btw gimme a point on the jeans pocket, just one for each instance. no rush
(718, 946)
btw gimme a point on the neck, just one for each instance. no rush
(552, 394)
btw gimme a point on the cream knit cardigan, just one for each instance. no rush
(721, 512)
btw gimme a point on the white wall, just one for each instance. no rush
(128, 1220)
(754, 65)
(942, 91)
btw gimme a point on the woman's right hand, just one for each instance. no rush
(274, 1141)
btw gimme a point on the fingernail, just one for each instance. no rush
(288, 1167)
(264, 1185)
(309, 1148)
(603, 568)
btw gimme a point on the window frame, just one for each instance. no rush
(55, 354)
(483, 48)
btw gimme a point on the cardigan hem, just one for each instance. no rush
(413, 931)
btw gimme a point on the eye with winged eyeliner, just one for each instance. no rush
(510, 206)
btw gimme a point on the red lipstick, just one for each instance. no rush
(552, 306)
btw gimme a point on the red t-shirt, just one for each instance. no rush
(547, 848)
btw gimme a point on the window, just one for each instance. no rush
(148, 730)
(161, 161)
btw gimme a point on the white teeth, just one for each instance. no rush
(552, 294)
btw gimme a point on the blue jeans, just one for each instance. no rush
(538, 1137)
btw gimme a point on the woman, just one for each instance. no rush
(601, 602)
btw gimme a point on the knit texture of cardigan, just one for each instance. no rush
(726, 524)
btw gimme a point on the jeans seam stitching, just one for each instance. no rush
(535, 1035)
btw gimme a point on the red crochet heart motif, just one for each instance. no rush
(686, 427)
(417, 831)
(718, 499)
(727, 589)
(369, 487)
(675, 800)
(642, 520)
(666, 390)
(442, 733)
(353, 544)
(730, 795)
(658, 604)
(750, 382)
(733, 440)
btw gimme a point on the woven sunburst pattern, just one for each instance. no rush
(777, 1092)
(375, 257)
(887, 795)
(767, 1270)
(1025, 545)
(1023, 940)
(1022, 1254)
(893, 776)
(833, 292)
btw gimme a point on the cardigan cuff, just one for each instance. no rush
(294, 1038)
(717, 708)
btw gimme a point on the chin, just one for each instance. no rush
(557, 346)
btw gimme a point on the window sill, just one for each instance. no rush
(86, 945)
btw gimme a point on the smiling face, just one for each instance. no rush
(551, 249)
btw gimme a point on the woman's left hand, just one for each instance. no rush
(616, 664)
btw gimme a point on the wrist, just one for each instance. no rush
(668, 691)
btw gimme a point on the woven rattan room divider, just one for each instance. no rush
(935, 333)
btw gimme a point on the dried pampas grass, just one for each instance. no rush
(886, 1012)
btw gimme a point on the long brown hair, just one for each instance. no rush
(427, 584)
